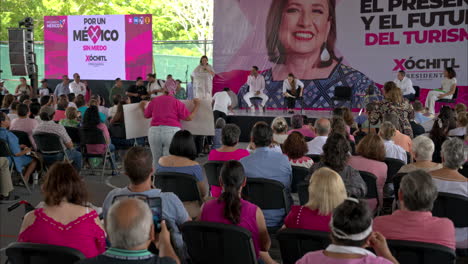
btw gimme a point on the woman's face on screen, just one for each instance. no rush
(305, 25)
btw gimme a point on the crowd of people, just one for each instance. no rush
(343, 147)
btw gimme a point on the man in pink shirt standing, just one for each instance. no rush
(414, 221)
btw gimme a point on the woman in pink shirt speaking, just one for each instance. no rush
(165, 112)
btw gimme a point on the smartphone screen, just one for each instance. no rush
(155, 205)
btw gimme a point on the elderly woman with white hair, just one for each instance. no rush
(449, 180)
(422, 149)
(280, 129)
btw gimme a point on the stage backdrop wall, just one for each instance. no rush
(98, 47)
(368, 42)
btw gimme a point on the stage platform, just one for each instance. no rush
(245, 120)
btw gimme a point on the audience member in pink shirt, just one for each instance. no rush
(60, 111)
(371, 151)
(64, 220)
(351, 233)
(297, 124)
(228, 151)
(165, 112)
(230, 208)
(414, 221)
(326, 192)
(24, 123)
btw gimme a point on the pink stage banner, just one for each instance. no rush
(101, 47)
(331, 43)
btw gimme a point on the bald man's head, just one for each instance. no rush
(128, 224)
(322, 127)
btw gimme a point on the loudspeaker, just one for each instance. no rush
(21, 50)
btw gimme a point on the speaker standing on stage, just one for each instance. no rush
(256, 83)
(63, 87)
(202, 79)
(137, 92)
(155, 87)
(405, 84)
(293, 88)
(449, 86)
(77, 87)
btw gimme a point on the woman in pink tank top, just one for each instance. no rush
(230, 208)
(64, 221)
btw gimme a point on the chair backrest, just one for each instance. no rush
(417, 91)
(371, 182)
(295, 243)
(74, 134)
(5, 149)
(393, 166)
(299, 175)
(396, 183)
(48, 143)
(181, 184)
(343, 92)
(213, 171)
(23, 138)
(455, 95)
(314, 157)
(464, 170)
(266, 194)
(218, 243)
(26, 253)
(117, 130)
(452, 206)
(412, 252)
(91, 136)
(303, 192)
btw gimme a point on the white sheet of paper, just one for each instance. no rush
(136, 125)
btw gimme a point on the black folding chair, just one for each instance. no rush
(342, 94)
(417, 90)
(181, 184)
(412, 252)
(255, 102)
(213, 243)
(27, 253)
(316, 158)
(449, 101)
(396, 183)
(49, 144)
(94, 136)
(5, 152)
(117, 130)
(372, 190)
(267, 194)
(74, 134)
(23, 138)
(464, 171)
(303, 192)
(295, 243)
(393, 166)
(299, 174)
(213, 171)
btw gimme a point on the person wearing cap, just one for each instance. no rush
(63, 87)
(351, 232)
(44, 89)
(49, 126)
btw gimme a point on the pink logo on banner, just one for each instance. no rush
(94, 32)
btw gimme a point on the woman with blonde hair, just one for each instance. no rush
(280, 129)
(71, 119)
(326, 191)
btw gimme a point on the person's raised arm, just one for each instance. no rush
(264, 237)
(285, 87)
(163, 243)
(379, 244)
(196, 103)
(301, 86)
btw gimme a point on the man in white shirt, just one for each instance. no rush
(221, 104)
(256, 83)
(405, 84)
(155, 86)
(77, 87)
(322, 129)
(387, 132)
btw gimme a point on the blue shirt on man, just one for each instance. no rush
(62, 88)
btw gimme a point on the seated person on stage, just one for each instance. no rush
(351, 233)
(322, 128)
(137, 92)
(221, 104)
(414, 221)
(138, 166)
(405, 85)
(326, 192)
(49, 126)
(228, 151)
(297, 124)
(266, 163)
(130, 229)
(64, 219)
(387, 133)
(230, 208)
(293, 89)
(256, 83)
(23, 162)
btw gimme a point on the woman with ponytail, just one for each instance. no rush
(230, 208)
